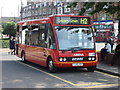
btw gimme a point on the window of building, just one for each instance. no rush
(36, 12)
(49, 10)
(40, 12)
(60, 10)
(45, 4)
(44, 11)
(55, 3)
(76, 8)
(29, 7)
(66, 9)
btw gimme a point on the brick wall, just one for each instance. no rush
(108, 58)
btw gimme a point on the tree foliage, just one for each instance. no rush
(9, 28)
(107, 7)
(1, 29)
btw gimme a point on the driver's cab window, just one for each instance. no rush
(51, 39)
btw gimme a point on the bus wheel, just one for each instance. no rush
(91, 69)
(51, 66)
(23, 57)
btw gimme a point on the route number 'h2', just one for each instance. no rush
(84, 21)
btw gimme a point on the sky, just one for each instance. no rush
(11, 8)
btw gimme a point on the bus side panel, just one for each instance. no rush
(30, 52)
(36, 55)
(20, 49)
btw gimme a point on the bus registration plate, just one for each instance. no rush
(77, 64)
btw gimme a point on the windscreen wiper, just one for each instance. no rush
(70, 49)
(64, 51)
(87, 49)
(75, 49)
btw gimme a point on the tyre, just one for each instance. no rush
(23, 57)
(51, 66)
(91, 69)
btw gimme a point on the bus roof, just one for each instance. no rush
(65, 15)
(34, 21)
(44, 20)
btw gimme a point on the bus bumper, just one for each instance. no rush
(75, 64)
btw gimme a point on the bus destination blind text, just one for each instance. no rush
(73, 20)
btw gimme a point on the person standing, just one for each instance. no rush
(108, 47)
(111, 41)
(118, 36)
(12, 45)
(105, 50)
(116, 54)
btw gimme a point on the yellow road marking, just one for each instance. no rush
(98, 84)
(89, 83)
(103, 86)
(49, 74)
(107, 74)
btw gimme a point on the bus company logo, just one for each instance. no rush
(77, 59)
(79, 54)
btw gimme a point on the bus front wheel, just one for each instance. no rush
(23, 57)
(51, 66)
(91, 69)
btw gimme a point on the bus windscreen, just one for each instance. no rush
(72, 20)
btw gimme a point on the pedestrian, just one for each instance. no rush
(111, 41)
(12, 45)
(116, 54)
(118, 35)
(105, 50)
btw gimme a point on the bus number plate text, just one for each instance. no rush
(77, 64)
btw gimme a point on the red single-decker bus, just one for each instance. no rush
(58, 41)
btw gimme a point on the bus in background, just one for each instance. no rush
(58, 41)
(117, 29)
(104, 30)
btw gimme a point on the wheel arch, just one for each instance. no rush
(22, 52)
(48, 58)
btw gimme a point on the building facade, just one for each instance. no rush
(37, 10)
(10, 19)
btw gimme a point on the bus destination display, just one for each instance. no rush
(72, 20)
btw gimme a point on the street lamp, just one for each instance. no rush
(1, 13)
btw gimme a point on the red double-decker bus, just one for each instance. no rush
(58, 41)
(104, 30)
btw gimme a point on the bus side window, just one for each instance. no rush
(34, 35)
(27, 36)
(42, 38)
(23, 34)
(51, 40)
(20, 35)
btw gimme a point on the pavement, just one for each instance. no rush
(103, 67)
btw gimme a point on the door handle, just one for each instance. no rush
(44, 54)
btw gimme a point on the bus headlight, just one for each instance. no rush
(89, 58)
(60, 59)
(64, 59)
(93, 58)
